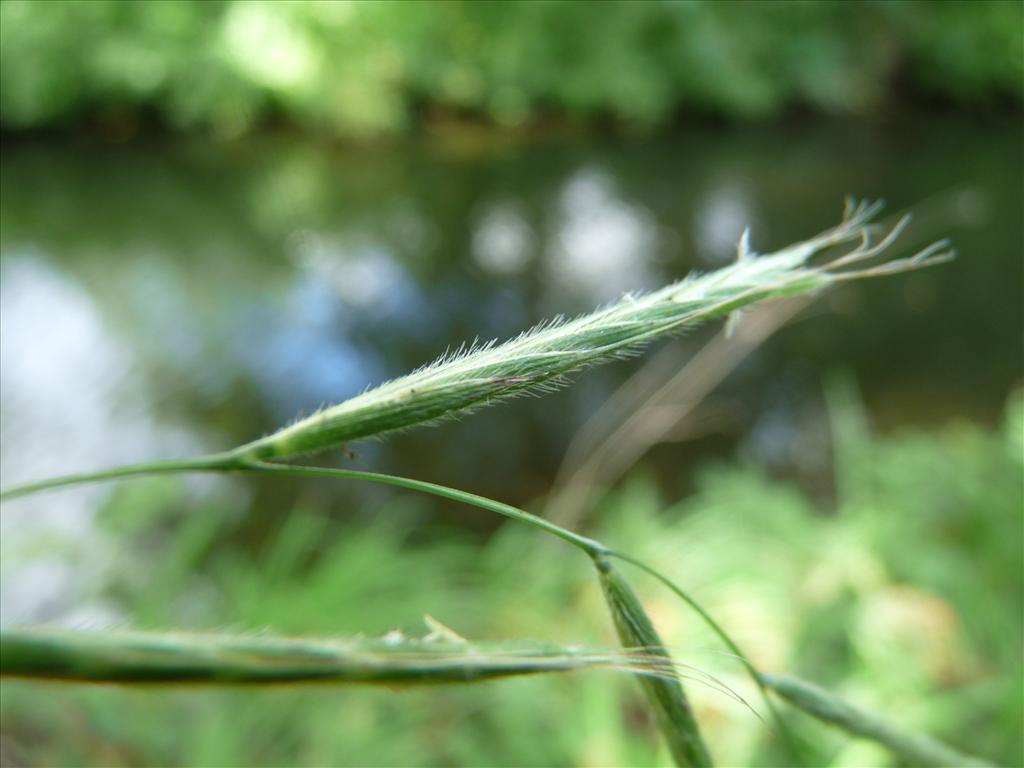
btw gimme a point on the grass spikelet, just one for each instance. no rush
(666, 695)
(913, 748)
(135, 658)
(539, 360)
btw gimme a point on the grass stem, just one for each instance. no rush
(914, 748)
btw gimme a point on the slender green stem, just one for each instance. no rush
(589, 546)
(915, 748)
(217, 462)
(232, 462)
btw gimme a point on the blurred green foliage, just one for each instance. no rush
(360, 68)
(906, 598)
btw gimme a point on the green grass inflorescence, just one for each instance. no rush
(534, 362)
(538, 360)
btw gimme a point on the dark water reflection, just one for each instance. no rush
(167, 297)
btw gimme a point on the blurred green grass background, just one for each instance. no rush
(364, 69)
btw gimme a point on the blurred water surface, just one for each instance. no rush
(169, 296)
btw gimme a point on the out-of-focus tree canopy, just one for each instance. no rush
(359, 68)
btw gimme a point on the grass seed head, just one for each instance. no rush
(539, 360)
(130, 658)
